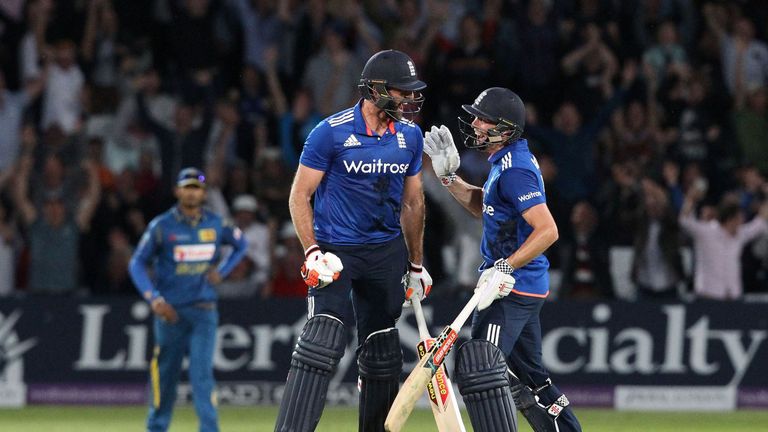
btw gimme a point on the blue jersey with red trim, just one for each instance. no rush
(182, 250)
(359, 199)
(513, 186)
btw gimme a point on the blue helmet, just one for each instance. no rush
(497, 105)
(391, 69)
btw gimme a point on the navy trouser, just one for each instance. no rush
(513, 325)
(194, 334)
(373, 282)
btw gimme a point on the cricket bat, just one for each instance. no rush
(425, 369)
(440, 390)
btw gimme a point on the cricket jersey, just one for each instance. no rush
(359, 199)
(182, 250)
(513, 186)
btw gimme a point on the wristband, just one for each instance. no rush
(310, 250)
(447, 180)
(414, 267)
(503, 266)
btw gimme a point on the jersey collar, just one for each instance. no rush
(180, 217)
(506, 149)
(361, 127)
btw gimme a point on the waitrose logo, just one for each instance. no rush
(376, 166)
(529, 195)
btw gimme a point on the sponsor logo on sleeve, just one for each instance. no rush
(529, 195)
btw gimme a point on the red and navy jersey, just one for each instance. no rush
(359, 199)
(514, 185)
(182, 251)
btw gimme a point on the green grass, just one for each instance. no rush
(258, 419)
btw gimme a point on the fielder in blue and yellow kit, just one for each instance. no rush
(501, 368)
(363, 167)
(184, 246)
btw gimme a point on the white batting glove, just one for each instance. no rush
(501, 282)
(438, 144)
(419, 283)
(320, 269)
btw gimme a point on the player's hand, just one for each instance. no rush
(501, 280)
(214, 277)
(438, 144)
(418, 285)
(320, 269)
(164, 310)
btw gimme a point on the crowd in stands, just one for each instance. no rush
(648, 118)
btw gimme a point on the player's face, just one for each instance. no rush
(407, 102)
(481, 127)
(191, 196)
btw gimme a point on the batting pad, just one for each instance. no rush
(481, 374)
(379, 363)
(552, 417)
(317, 353)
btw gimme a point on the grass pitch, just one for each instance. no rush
(262, 419)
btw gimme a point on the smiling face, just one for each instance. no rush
(481, 127)
(405, 102)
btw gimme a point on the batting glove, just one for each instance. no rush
(501, 282)
(320, 269)
(419, 283)
(438, 144)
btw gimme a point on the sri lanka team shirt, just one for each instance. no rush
(359, 198)
(182, 251)
(513, 186)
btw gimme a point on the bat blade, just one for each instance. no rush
(417, 380)
(442, 396)
(425, 369)
(409, 394)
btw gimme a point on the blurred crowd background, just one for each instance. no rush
(648, 119)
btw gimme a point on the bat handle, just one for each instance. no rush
(420, 321)
(469, 308)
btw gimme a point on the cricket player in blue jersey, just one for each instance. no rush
(363, 242)
(501, 365)
(184, 246)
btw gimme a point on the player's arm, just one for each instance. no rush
(232, 236)
(412, 217)
(523, 188)
(140, 276)
(141, 259)
(304, 185)
(470, 197)
(439, 146)
(543, 236)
